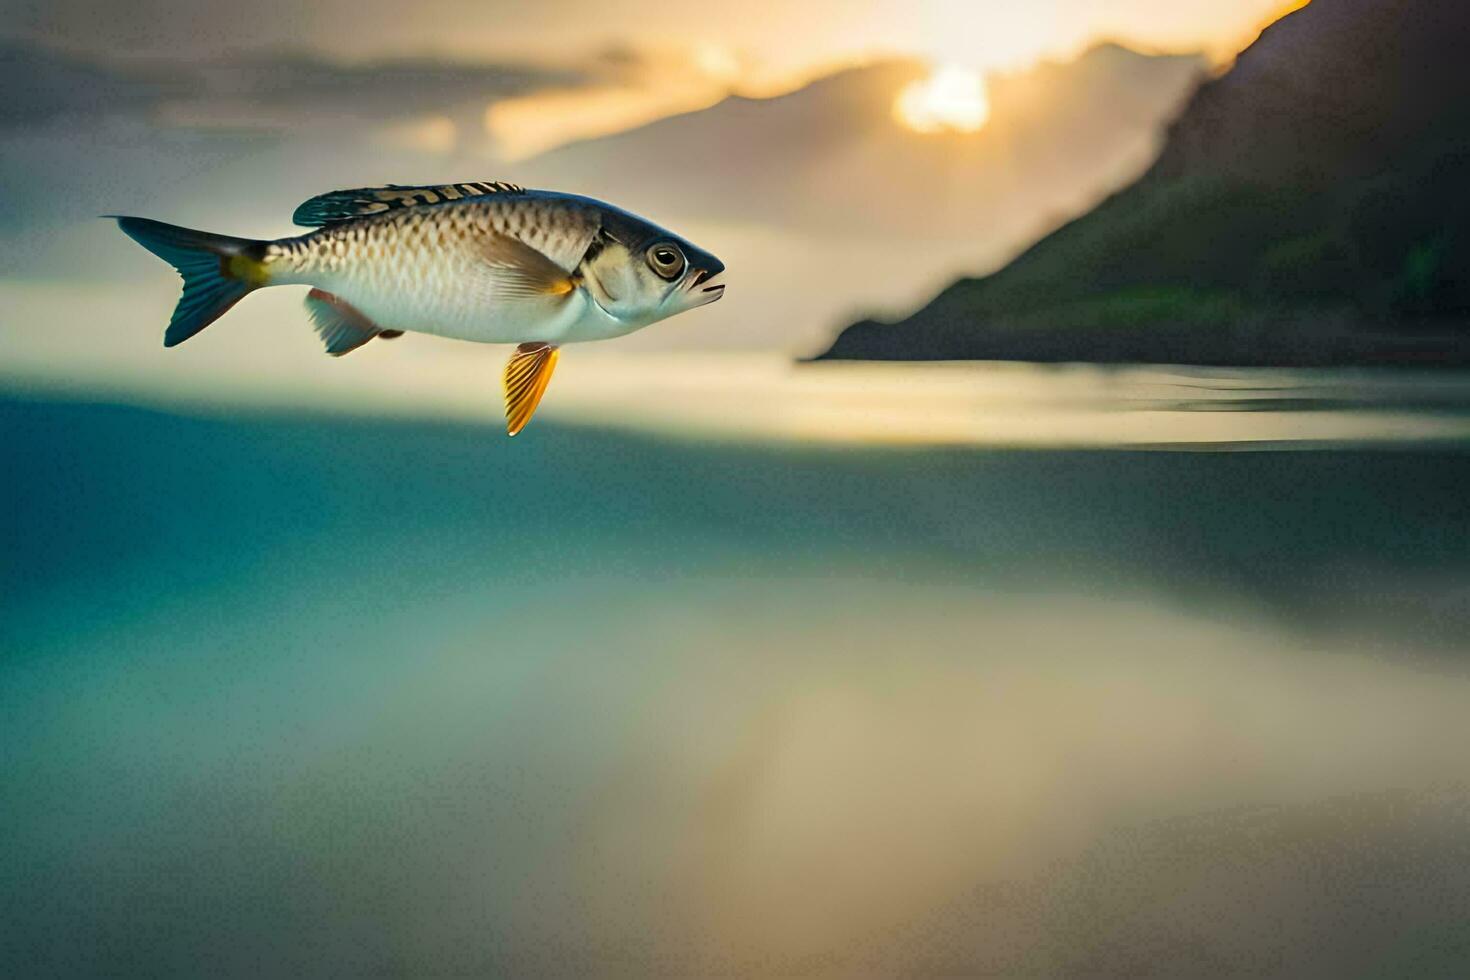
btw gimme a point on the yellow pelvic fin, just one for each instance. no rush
(526, 376)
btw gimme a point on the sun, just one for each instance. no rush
(950, 100)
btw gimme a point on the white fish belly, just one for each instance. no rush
(488, 323)
(459, 303)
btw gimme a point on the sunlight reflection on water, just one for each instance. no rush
(1009, 404)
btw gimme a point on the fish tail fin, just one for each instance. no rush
(218, 271)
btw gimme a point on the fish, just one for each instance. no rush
(484, 261)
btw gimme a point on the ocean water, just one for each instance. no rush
(293, 692)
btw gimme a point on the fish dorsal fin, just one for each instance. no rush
(360, 202)
(526, 376)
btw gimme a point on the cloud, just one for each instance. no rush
(88, 134)
(41, 85)
(308, 85)
(268, 90)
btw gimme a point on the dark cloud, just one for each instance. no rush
(391, 87)
(42, 85)
(85, 134)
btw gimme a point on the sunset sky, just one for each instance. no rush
(762, 36)
(195, 113)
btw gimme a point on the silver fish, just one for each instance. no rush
(485, 261)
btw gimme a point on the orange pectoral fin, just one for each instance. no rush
(526, 376)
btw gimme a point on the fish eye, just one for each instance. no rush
(667, 260)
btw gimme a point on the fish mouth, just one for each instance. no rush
(704, 288)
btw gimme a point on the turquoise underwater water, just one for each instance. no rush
(306, 694)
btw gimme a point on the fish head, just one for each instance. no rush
(640, 273)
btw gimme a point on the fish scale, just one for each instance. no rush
(411, 253)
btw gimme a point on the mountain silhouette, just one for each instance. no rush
(1311, 206)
